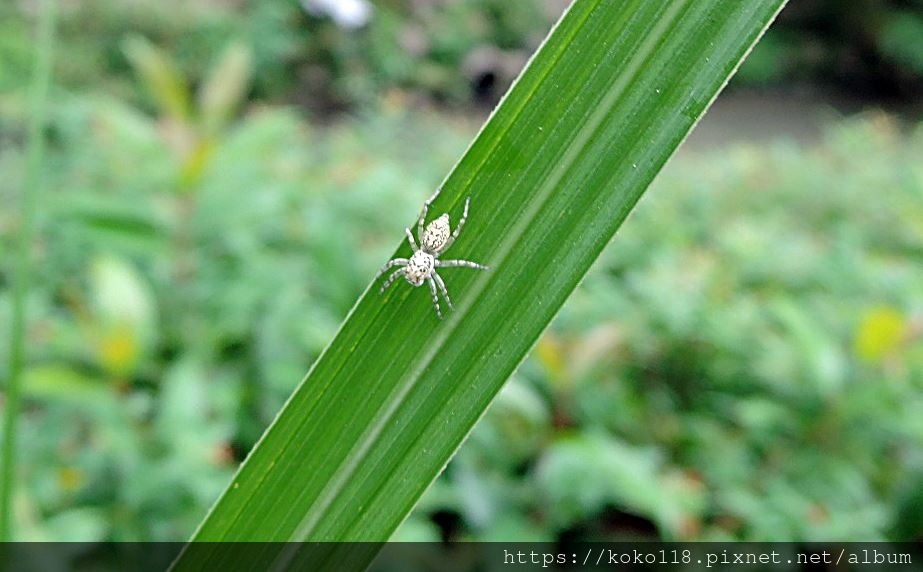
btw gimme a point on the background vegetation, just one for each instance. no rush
(327, 58)
(746, 360)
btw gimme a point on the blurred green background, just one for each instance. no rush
(223, 178)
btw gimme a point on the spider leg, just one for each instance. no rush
(445, 293)
(458, 228)
(457, 263)
(413, 244)
(432, 288)
(422, 219)
(391, 279)
(391, 264)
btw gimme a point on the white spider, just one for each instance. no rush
(434, 240)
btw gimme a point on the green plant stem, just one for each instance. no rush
(41, 78)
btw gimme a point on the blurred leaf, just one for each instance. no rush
(116, 223)
(123, 311)
(184, 410)
(51, 382)
(580, 476)
(908, 521)
(769, 62)
(118, 348)
(79, 525)
(902, 39)
(225, 87)
(194, 164)
(515, 426)
(880, 333)
(550, 353)
(416, 530)
(605, 102)
(120, 295)
(825, 360)
(165, 84)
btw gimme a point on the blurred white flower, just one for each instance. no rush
(349, 14)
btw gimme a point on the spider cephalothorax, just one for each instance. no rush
(435, 239)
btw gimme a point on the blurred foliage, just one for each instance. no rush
(442, 49)
(871, 47)
(193, 264)
(449, 51)
(746, 361)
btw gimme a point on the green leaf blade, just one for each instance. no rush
(553, 174)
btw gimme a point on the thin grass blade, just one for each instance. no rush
(28, 207)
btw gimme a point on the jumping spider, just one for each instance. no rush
(434, 240)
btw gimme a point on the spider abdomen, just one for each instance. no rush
(436, 234)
